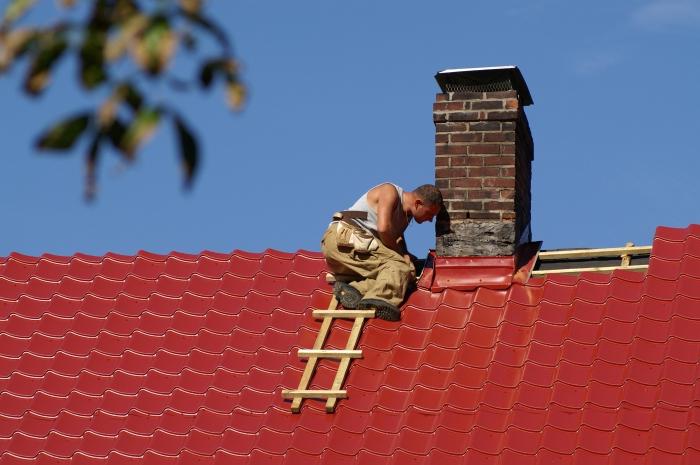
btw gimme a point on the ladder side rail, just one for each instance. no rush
(345, 362)
(311, 363)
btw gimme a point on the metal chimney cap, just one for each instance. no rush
(493, 79)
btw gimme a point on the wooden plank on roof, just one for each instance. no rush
(592, 269)
(593, 253)
(344, 313)
(313, 394)
(626, 258)
(329, 353)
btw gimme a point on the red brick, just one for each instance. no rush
(459, 215)
(442, 138)
(441, 97)
(442, 161)
(499, 205)
(507, 136)
(476, 194)
(508, 149)
(499, 182)
(466, 182)
(442, 184)
(454, 149)
(508, 160)
(507, 194)
(448, 106)
(453, 194)
(491, 171)
(488, 105)
(462, 205)
(458, 160)
(508, 172)
(499, 115)
(501, 94)
(485, 215)
(450, 127)
(467, 137)
(439, 117)
(511, 103)
(508, 215)
(450, 172)
(475, 160)
(463, 116)
(450, 149)
(468, 96)
(484, 149)
(485, 126)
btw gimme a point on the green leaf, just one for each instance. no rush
(209, 26)
(123, 10)
(217, 67)
(191, 6)
(50, 48)
(115, 133)
(140, 130)
(92, 69)
(92, 49)
(91, 160)
(123, 93)
(14, 44)
(126, 35)
(207, 71)
(130, 95)
(63, 135)
(156, 46)
(16, 9)
(235, 95)
(189, 150)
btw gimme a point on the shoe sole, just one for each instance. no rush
(381, 310)
(348, 296)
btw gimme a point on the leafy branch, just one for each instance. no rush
(139, 36)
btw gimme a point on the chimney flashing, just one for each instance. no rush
(489, 79)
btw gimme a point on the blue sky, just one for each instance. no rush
(340, 100)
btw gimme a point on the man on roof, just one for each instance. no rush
(365, 248)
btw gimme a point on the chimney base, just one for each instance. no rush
(470, 238)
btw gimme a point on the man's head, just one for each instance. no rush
(427, 202)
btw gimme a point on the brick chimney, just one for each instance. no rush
(483, 158)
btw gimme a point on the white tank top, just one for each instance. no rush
(362, 205)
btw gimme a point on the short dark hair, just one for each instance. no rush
(429, 194)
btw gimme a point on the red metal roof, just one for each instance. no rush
(181, 359)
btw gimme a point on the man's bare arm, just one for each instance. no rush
(390, 234)
(387, 200)
(403, 246)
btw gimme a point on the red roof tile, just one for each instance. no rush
(178, 358)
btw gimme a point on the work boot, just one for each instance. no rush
(384, 309)
(347, 295)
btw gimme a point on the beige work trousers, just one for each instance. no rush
(381, 274)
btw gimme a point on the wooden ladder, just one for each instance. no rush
(335, 392)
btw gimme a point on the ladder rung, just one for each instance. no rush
(325, 353)
(344, 313)
(314, 394)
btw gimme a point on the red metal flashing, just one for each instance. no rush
(469, 273)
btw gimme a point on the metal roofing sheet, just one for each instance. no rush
(181, 359)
